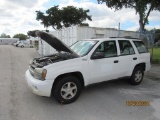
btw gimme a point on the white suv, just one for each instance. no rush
(64, 74)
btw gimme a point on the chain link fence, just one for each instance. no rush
(148, 39)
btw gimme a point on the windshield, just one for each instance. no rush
(83, 47)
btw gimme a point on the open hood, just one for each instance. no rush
(54, 42)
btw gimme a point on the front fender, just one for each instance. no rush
(73, 65)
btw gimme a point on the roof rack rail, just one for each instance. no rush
(124, 37)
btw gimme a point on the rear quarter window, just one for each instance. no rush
(140, 47)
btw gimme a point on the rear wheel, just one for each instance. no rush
(137, 76)
(67, 90)
(22, 46)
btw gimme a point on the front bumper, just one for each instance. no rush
(39, 87)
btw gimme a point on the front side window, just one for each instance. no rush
(108, 48)
(83, 47)
(140, 47)
(125, 47)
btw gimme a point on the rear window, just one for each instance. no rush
(141, 47)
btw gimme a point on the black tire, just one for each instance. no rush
(137, 76)
(22, 46)
(59, 89)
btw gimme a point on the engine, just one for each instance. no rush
(46, 60)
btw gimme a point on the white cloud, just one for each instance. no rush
(103, 16)
(152, 27)
(106, 17)
(148, 27)
(135, 28)
(18, 16)
(154, 16)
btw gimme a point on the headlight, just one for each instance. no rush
(40, 73)
(44, 73)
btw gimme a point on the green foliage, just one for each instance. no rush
(20, 36)
(64, 17)
(32, 33)
(3, 35)
(157, 35)
(84, 24)
(156, 55)
(142, 7)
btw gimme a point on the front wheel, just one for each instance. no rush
(137, 76)
(67, 90)
(22, 46)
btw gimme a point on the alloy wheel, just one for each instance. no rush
(68, 90)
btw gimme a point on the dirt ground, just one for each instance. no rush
(106, 101)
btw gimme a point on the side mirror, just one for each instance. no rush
(97, 55)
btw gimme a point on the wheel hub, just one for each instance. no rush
(138, 76)
(68, 90)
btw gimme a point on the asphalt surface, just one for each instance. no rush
(106, 101)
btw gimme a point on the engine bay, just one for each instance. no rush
(46, 60)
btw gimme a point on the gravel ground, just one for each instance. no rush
(105, 101)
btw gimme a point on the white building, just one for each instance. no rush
(8, 41)
(72, 34)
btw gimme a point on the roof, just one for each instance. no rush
(9, 38)
(114, 38)
(124, 37)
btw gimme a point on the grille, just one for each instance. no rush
(31, 71)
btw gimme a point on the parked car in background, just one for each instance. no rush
(24, 44)
(16, 43)
(64, 74)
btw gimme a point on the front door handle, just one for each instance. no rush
(116, 61)
(134, 58)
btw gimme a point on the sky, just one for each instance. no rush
(19, 16)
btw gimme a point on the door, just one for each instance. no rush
(103, 67)
(127, 58)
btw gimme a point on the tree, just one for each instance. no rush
(3, 35)
(157, 35)
(64, 17)
(142, 7)
(32, 33)
(20, 36)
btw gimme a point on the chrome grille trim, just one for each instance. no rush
(31, 71)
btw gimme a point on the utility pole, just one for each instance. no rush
(118, 29)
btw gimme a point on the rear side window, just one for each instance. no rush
(141, 47)
(126, 47)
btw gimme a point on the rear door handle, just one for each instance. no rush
(134, 58)
(116, 61)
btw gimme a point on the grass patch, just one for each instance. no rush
(156, 54)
